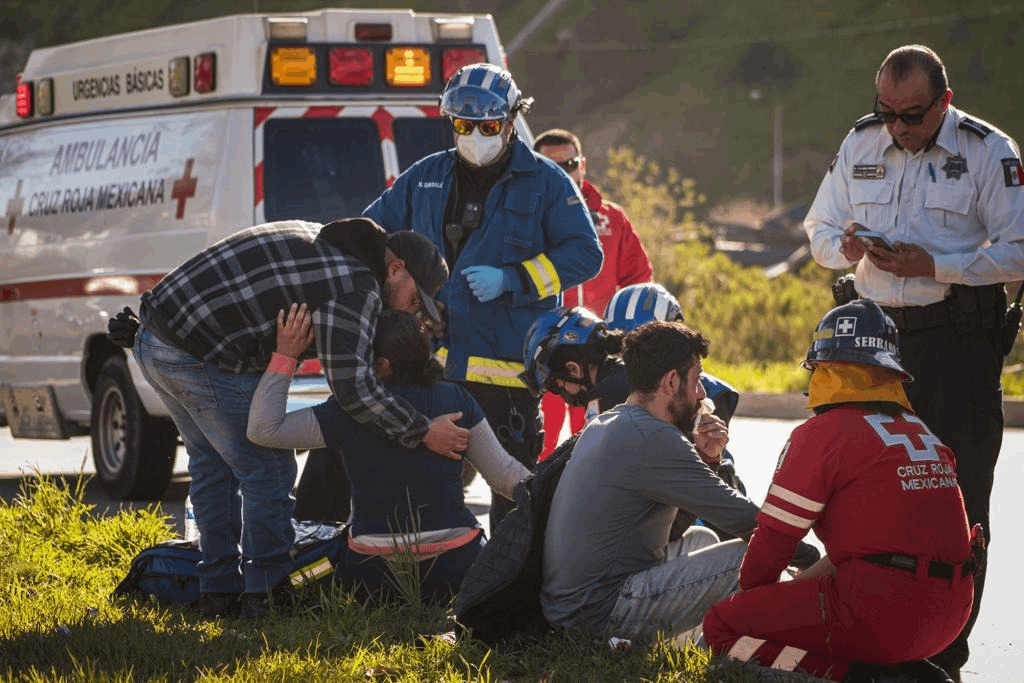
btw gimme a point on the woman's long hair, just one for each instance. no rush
(405, 342)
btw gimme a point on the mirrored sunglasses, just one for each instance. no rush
(488, 128)
(570, 165)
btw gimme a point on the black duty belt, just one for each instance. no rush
(908, 563)
(913, 318)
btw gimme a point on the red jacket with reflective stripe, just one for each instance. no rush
(625, 259)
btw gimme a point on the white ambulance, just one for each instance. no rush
(123, 156)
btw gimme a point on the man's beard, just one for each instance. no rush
(683, 412)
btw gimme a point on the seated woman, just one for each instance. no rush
(408, 507)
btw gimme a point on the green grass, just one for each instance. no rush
(61, 562)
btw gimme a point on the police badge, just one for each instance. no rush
(955, 167)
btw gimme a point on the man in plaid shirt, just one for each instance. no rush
(207, 332)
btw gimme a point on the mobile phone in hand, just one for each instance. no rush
(870, 238)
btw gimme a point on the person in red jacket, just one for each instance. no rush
(625, 263)
(880, 491)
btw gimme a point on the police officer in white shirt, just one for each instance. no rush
(945, 189)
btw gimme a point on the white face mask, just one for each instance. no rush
(479, 150)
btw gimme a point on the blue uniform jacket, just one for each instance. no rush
(535, 226)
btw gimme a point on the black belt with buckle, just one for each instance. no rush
(913, 318)
(908, 563)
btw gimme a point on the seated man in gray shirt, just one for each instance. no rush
(609, 567)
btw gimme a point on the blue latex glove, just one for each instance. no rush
(487, 282)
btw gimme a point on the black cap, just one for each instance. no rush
(424, 262)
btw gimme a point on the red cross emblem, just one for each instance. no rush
(184, 187)
(907, 431)
(14, 206)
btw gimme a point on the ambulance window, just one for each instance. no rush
(416, 138)
(320, 169)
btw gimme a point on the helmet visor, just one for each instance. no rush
(474, 102)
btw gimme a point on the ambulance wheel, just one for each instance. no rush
(133, 452)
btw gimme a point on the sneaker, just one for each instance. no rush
(213, 605)
(924, 671)
(260, 605)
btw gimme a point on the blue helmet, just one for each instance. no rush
(857, 332)
(574, 326)
(481, 92)
(634, 305)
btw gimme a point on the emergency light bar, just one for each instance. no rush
(367, 66)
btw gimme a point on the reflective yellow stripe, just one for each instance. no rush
(492, 371)
(311, 572)
(441, 355)
(545, 277)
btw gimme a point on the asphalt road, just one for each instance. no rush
(997, 642)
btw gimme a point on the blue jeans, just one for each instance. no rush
(211, 410)
(674, 596)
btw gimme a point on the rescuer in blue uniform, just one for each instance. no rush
(515, 231)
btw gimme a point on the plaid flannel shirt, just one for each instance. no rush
(221, 305)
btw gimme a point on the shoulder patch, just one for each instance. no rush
(976, 127)
(573, 200)
(1013, 173)
(866, 121)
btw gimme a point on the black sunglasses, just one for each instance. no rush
(909, 119)
(570, 165)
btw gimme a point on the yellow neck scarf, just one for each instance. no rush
(854, 383)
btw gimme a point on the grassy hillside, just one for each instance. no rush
(672, 80)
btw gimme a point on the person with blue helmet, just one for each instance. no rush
(515, 232)
(573, 353)
(586, 370)
(637, 304)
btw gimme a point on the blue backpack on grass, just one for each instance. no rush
(167, 570)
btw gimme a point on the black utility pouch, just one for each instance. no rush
(1011, 326)
(978, 308)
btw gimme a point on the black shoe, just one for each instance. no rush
(213, 605)
(859, 672)
(280, 601)
(924, 671)
(921, 671)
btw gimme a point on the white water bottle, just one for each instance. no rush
(191, 530)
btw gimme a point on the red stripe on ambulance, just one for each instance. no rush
(106, 285)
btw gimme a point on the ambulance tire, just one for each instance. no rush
(133, 452)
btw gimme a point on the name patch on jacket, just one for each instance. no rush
(1013, 174)
(868, 171)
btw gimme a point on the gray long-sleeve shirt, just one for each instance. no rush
(613, 509)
